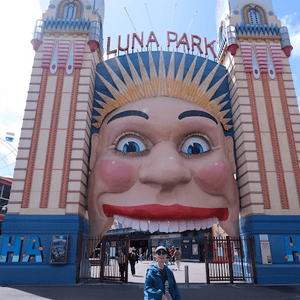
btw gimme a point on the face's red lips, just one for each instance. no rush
(165, 213)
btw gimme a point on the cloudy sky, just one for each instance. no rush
(17, 53)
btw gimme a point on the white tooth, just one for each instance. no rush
(173, 226)
(163, 226)
(215, 220)
(204, 224)
(182, 226)
(144, 225)
(135, 224)
(153, 226)
(190, 225)
(209, 223)
(127, 222)
(198, 224)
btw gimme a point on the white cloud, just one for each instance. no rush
(17, 55)
(290, 21)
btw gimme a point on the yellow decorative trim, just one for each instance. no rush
(61, 8)
(262, 13)
(161, 84)
(258, 38)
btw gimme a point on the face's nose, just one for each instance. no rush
(164, 167)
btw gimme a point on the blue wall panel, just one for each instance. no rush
(279, 229)
(27, 227)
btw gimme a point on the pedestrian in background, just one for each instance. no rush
(122, 264)
(177, 257)
(172, 252)
(133, 258)
(160, 282)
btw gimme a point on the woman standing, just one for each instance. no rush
(160, 282)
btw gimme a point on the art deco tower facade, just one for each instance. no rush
(50, 179)
(255, 48)
(51, 170)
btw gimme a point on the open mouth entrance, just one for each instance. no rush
(173, 218)
(166, 226)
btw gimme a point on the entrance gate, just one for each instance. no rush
(107, 261)
(230, 259)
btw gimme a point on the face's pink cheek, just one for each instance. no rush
(117, 176)
(213, 178)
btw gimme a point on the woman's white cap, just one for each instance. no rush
(160, 248)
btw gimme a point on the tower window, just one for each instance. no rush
(221, 32)
(254, 16)
(69, 11)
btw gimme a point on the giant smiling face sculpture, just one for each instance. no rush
(162, 163)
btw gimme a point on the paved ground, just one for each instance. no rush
(135, 292)
(197, 289)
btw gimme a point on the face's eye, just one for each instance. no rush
(195, 145)
(130, 145)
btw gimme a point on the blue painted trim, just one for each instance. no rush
(266, 224)
(278, 274)
(242, 10)
(257, 29)
(13, 224)
(38, 275)
(67, 24)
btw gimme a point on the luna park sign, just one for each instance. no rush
(193, 42)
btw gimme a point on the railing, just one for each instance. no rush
(230, 259)
(105, 260)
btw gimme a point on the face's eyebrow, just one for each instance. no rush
(129, 113)
(196, 113)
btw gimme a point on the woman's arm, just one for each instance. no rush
(150, 289)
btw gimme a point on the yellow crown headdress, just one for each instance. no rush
(139, 86)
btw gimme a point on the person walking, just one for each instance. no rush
(172, 252)
(133, 258)
(160, 283)
(122, 264)
(177, 257)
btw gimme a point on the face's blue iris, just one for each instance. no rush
(131, 147)
(195, 148)
(195, 145)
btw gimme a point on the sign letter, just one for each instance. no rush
(206, 46)
(169, 39)
(34, 249)
(8, 248)
(197, 44)
(140, 41)
(108, 51)
(183, 41)
(119, 43)
(152, 39)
